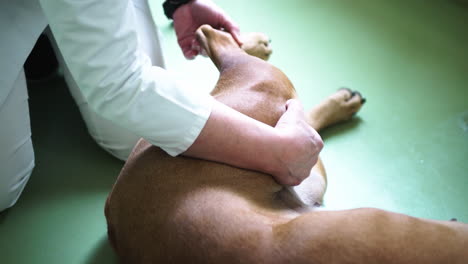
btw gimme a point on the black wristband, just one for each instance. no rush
(170, 6)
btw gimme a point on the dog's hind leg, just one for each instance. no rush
(371, 236)
(312, 189)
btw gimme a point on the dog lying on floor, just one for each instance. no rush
(181, 210)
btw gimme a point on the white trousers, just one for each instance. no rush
(16, 150)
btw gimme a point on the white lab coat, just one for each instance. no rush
(100, 45)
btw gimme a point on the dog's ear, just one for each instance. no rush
(257, 44)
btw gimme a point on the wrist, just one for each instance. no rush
(170, 7)
(269, 146)
(276, 167)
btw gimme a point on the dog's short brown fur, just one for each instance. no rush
(182, 210)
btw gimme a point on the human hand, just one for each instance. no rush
(299, 147)
(189, 17)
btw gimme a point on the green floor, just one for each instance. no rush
(407, 150)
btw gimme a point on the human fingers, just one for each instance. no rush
(219, 19)
(294, 112)
(301, 145)
(294, 105)
(189, 46)
(230, 26)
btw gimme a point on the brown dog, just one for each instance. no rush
(182, 210)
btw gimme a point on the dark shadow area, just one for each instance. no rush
(102, 253)
(70, 166)
(461, 3)
(67, 158)
(341, 128)
(3, 215)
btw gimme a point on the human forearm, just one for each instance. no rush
(233, 138)
(287, 151)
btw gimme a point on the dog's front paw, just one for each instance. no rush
(257, 44)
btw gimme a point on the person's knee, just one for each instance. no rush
(12, 184)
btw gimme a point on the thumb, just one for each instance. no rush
(294, 107)
(294, 104)
(185, 41)
(294, 111)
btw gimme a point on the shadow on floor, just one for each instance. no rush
(341, 128)
(102, 253)
(3, 216)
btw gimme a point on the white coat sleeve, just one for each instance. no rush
(100, 46)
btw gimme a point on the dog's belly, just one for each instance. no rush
(159, 200)
(157, 177)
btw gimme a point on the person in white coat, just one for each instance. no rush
(109, 51)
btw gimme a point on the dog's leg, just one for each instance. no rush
(219, 46)
(371, 236)
(338, 107)
(311, 191)
(367, 235)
